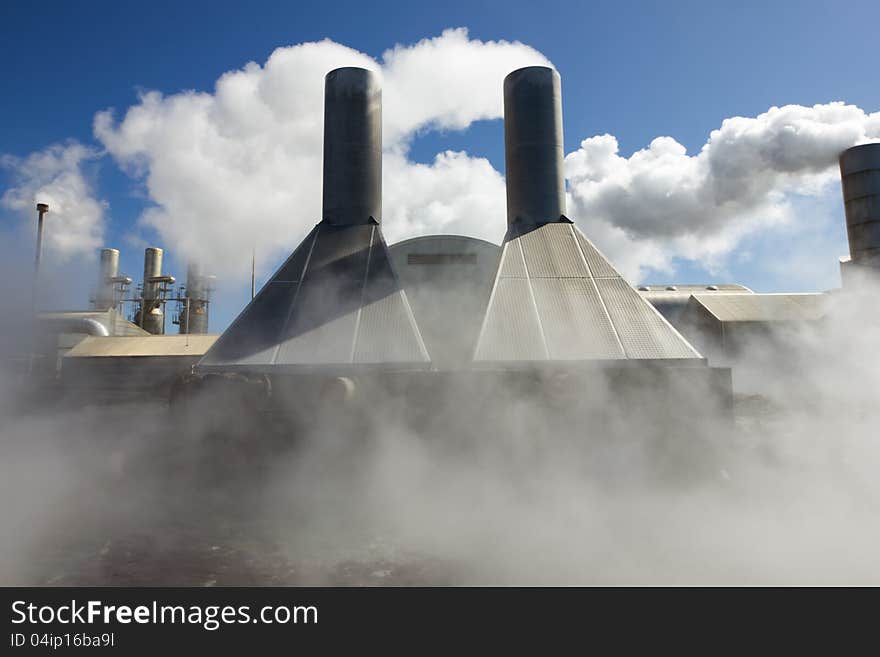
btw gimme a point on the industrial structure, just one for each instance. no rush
(544, 315)
(860, 175)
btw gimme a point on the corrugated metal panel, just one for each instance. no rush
(764, 307)
(569, 314)
(294, 267)
(385, 334)
(551, 251)
(387, 330)
(319, 320)
(251, 339)
(512, 263)
(321, 328)
(599, 265)
(340, 252)
(574, 320)
(511, 330)
(642, 330)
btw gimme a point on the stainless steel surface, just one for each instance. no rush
(108, 272)
(860, 176)
(764, 307)
(336, 301)
(77, 324)
(447, 279)
(112, 320)
(557, 298)
(152, 270)
(130, 346)
(672, 303)
(352, 147)
(533, 145)
(643, 332)
(194, 310)
(150, 317)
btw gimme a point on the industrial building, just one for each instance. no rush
(347, 307)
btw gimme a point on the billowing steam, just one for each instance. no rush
(490, 486)
(57, 176)
(660, 202)
(240, 166)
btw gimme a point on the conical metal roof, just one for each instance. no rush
(557, 298)
(335, 301)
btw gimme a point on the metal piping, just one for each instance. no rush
(194, 313)
(533, 146)
(352, 147)
(87, 325)
(151, 318)
(107, 276)
(860, 177)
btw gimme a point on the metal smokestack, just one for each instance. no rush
(108, 272)
(151, 318)
(860, 175)
(352, 146)
(194, 311)
(533, 146)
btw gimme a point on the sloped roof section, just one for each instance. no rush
(764, 307)
(557, 298)
(136, 346)
(335, 301)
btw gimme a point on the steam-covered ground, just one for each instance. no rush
(89, 500)
(787, 493)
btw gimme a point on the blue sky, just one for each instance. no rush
(635, 70)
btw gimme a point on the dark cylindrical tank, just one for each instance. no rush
(194, 315)
(352, 146)
(533, 146)
(108, 270)
(860, 174)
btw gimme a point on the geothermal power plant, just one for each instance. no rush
(438, 321)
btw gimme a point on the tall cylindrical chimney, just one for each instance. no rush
(860, 174)
(151, 318)
(533, 146)
(107, 272)
(194, 314)
(352, 146)
(152, 269)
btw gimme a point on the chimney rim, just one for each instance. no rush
(523, 69)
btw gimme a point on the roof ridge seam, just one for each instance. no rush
(299, 283)
(360, 310)
(596, 288)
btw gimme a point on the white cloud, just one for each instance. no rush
(75, 223)
(456, 194)
(660, 202)
(241, 166)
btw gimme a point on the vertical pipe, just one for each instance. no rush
(42, 209)
(105, 297)
(194, 318)
(533, 146)
(151, 318)
(352, 147)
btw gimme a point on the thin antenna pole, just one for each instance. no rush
(253, 272)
